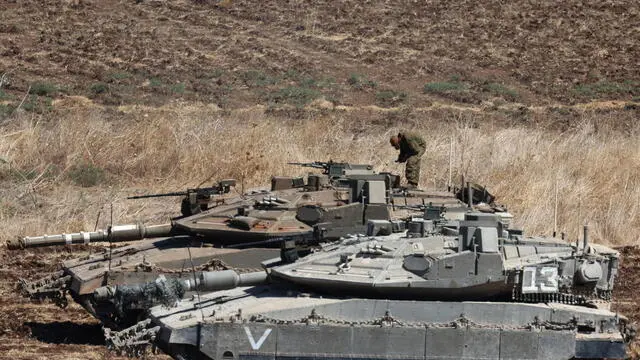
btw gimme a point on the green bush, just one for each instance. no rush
(253, 78)
(390, 98)
(120, 75)
(43, 89)
(86, 175)
(155, 82)
(4, 95)
(298, 96)
(603, 88)
(360, 82)
(5, 110)
(178, 88)
(444, 87)
(99, 88)
(500, 90)
(38, 104)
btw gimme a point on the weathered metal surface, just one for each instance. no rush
(343, 198)
(372, 297)
(282, 323)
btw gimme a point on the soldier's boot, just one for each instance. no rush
(412, 171)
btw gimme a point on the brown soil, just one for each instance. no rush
(31, 330)
(237, 54)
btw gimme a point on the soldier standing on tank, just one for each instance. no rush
(412, 147)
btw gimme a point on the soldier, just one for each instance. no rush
(411, 146)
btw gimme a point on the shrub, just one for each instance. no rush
(390, 98)
(120, 75)
(500, 90)
(603, 88)
(5, 110)
(155, 82)
(178, 88)
(253, 78)
(86, 175)
(4, 95)
(99, 88)
(360, 82)
(444, 87)
(298, 96)
(43, 89)
(38, 104)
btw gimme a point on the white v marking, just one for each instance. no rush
(256, 345)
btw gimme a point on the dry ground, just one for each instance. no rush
(104, 99)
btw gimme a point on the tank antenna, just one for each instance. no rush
(109, 237)
(206, 179)
(450, 162)
(195, 281)
(95, 227)
(555, 209)
(585, 230)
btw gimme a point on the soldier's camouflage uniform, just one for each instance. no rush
(412, 147)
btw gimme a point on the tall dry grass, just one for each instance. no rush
(596, 172)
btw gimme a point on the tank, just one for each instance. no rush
(472, 289)
(222, 230)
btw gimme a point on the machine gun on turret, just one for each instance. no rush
(337, 169)
(195, 200)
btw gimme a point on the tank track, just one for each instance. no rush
(390, 321)
(577, 297)
(132, 341)
(53, 286)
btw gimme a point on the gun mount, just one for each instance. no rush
(337, 169)
(195, 200)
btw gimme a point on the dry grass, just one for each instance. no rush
(597, 172)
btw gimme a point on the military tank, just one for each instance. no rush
(220, 230)
(473, 289)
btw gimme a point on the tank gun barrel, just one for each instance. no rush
(115, 233)
(169, 194)
(168, 290)
(222, 187)
(228, 279)
(315, 164)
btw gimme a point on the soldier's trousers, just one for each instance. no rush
(412, 169)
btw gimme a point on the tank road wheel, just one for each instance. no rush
(60, 299)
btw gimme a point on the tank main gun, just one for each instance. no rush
(168, 290)
(117, 233)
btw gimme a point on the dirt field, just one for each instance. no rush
(42, 330)
(102, 99)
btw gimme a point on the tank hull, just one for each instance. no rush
(275, 324)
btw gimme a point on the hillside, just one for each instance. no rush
(238, 54)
